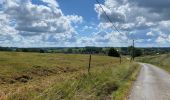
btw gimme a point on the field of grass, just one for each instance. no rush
(43, 76)
(162, 61)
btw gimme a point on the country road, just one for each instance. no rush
(152, 83)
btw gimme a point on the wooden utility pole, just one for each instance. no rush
(133, 50)
(89, 63)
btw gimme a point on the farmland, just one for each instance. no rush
(40, 76)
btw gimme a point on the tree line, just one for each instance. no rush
(92, 50)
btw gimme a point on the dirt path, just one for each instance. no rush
(153, 83)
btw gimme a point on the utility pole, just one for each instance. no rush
(133, 51)
(133, 55)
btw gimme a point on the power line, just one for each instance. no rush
(108, 18)
(150, 42)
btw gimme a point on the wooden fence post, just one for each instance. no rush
(120, 59)
(89, 63)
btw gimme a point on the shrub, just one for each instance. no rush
(114, 53)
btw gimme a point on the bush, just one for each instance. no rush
(112, 52)
(138, 52)
(42, 51)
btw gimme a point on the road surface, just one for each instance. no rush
(152, 83)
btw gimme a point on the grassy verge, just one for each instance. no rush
(108, 83)
(124, 90)
(35, 76)
(161, 61)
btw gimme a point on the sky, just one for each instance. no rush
(79, 23)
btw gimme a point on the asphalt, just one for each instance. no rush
(152, 83)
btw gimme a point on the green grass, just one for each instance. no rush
(162, 61)
(41, 76)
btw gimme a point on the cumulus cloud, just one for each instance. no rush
(24, 22)
(114, 15)
(32, 18)
(104, 39)
(27, 19)
(51, 3)
(147, 17)
(150, 33)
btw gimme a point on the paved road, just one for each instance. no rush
(152, 83)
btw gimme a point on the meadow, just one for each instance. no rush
(162, 60)
(47, 76)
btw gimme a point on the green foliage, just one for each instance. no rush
(137, 51)
(93, 50)
(69, 50)
(114, 53)
(42, 51)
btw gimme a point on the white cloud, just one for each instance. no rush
(135, 16)
(36, 23)
(23, 22)
(75, 18)
(114, 14)
(165, 24)
(87, 28)
(104, 39)
(51, 2)
(150, 34)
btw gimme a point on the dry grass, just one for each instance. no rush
(162, 61)
(26, 76)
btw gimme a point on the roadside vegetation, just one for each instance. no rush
(41, 76)
(162, 61)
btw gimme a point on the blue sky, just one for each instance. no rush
(83, 8)
(78, 23)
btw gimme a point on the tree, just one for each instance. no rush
(114, 53)
(25, 50)
(137, 51)
(42, 51)
(69, 50)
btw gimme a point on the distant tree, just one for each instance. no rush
(6, 49)
(124, 51)
(18, 50)
(69, 50)
(114, 53)
(42, 51)
(138, 52)
(25, 50)
(130, 50)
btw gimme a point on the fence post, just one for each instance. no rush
(89, 64)
(120, 59)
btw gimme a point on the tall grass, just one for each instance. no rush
(162, 61)
(38, 76)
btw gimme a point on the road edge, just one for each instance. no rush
(134, 78)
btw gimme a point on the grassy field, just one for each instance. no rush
(43, 76)
(162, 61)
